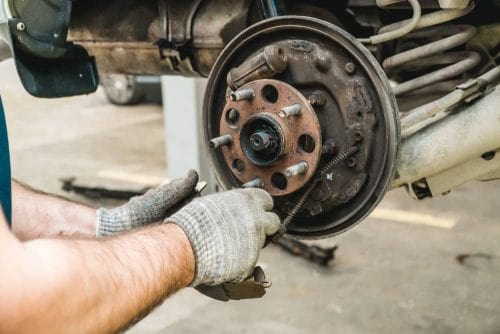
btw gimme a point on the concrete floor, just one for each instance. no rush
(389, 277)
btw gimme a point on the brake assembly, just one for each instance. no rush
(298, 107)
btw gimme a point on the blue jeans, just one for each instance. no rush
(5, 178)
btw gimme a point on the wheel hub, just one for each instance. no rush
(266, 144)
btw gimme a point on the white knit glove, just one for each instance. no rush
(227, 232)
(152, 207)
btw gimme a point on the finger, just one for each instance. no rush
(173, 193)
(272, 223)
(187, 182)
(262, 197)
(192, 177)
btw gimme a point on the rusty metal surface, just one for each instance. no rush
(125, 36)
(293, 127)
(114, 21)
(177, 20)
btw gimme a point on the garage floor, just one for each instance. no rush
(395, 273)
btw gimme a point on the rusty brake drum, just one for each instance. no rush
(287, 96)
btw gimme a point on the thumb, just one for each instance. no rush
(272, 224)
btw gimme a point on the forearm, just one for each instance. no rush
(37, 215)
(95, 286)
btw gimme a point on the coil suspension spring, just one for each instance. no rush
(444, 37)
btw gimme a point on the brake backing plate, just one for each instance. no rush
(286, 97)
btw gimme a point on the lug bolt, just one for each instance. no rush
(246, 94)
(350, 68)
(293, 110)
(255, 183)
(224, 140)
(298, 169)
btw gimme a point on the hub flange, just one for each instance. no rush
(265, 145)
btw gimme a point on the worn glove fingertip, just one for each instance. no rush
(191, 179)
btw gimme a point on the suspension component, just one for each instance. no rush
(430, 55)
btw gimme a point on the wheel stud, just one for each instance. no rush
(224, 140)
(255, 183)
(298, 169)
(293, 110)
(243, 95)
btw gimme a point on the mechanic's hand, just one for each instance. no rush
(149, 208)
(227, 232)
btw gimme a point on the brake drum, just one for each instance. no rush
(286, 97)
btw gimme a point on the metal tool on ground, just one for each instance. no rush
(313, 253)
(70, 184)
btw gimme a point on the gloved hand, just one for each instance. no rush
(227, 231)
(149, 208)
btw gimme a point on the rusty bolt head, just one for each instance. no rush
(317, 99)
(328, 147)
(350, 68)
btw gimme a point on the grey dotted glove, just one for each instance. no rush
(152, 207)
(227, 232)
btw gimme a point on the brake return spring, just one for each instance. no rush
(322, 173)
(432, 54)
